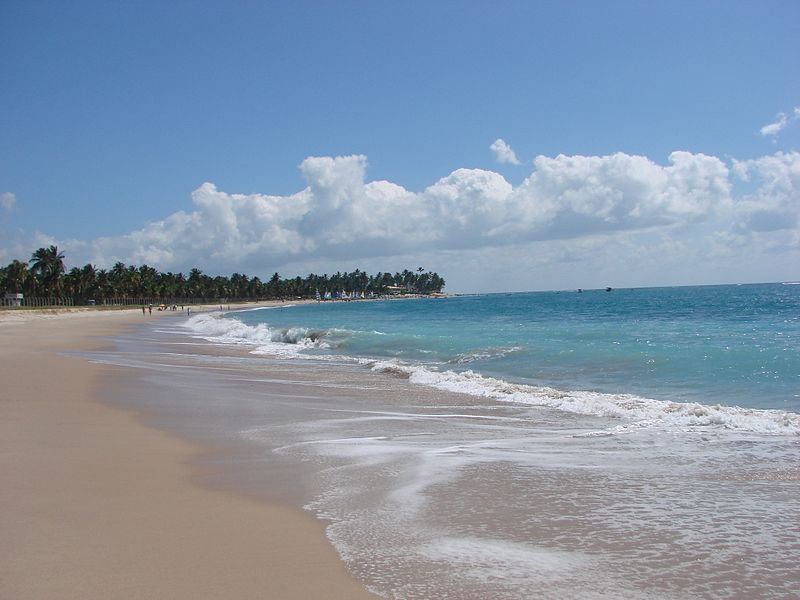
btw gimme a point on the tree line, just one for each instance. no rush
(45, 275)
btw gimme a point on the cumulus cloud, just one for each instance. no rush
(8, 200)
(341, 215)
(223, 229)
(562, 212)
(770, 216)
(780, 123)
(503, 153)
(571, 196)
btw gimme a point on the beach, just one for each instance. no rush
(442, 471)
(342, 449)
(95, 504)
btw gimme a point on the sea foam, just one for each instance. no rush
(634, 412)
(280, 342)
(637, 412)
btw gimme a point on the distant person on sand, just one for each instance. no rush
(150, 309)
(142, 309)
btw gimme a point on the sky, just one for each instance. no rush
(507, 145)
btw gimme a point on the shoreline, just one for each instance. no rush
(17, 313)
(432, 493)
(95, 503)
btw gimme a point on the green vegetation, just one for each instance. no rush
(46, 277)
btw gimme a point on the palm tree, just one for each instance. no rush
(103, 284)
(80, 282)
(273, 286)
(16, 276)
(88, 279)
(194, 283)
(255, 288)
(148, 278)
(48, 264)
(72, 282)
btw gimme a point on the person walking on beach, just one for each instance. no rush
(150, 309)
(142, 309)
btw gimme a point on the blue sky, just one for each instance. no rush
(113, 115)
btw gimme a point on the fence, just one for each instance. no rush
(36, 302)
(55, 302)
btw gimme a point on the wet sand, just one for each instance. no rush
(94, 504)
(184, 481)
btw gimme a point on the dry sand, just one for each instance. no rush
(93, 504)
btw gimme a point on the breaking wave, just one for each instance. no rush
(287, 342)
(636, 412)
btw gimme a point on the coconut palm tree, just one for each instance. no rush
(16, 276)
(88, 280)
(81, 282)
(48, 266)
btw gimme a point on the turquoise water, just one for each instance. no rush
(728, 345)
(637, 443)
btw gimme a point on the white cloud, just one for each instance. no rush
(776, 126)
(503, 152)
(223, 229)
(584, 217)
(572, 196)
(341, 216)
(7, 201)
(780, 123)
(770, 216)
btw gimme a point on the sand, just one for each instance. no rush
(94, 504)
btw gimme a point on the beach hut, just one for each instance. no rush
(13, 299)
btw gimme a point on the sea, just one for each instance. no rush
(629, 443)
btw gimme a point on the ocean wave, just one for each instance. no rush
(483, 354)
(288, 341)
(260, 308)
(637, 412)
